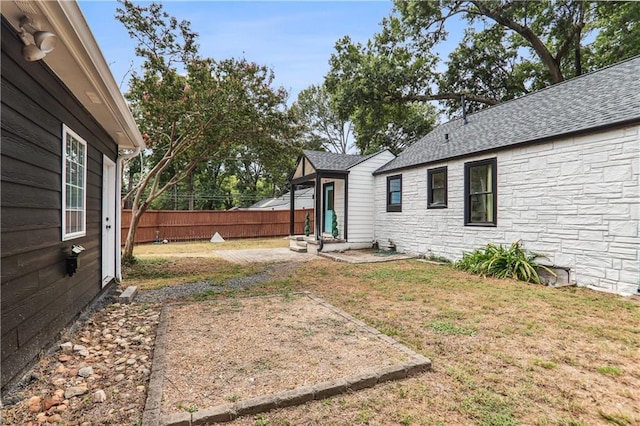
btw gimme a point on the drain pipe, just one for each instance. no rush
(118, 225)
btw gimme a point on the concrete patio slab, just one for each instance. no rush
(365, 256)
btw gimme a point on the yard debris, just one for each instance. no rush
(217, 238)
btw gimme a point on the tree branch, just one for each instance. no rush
(441, 97)
(538, 45)
(570, 40)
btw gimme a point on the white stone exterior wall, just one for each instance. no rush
(576, 200)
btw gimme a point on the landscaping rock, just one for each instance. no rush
(75, 391)
(34, 404)
(85, 372)
(99, 396)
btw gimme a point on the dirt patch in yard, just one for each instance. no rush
(221, 352)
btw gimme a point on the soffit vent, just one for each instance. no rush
(93, 97)
(26, 7)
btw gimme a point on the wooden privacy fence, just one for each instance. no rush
(193, 225)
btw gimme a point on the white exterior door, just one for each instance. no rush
(109, 230)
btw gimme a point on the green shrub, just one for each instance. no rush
(501, 262)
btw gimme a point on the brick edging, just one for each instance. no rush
(152, 407)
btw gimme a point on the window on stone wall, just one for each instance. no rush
(74, 185)
(437, 188)
(394, 193)
(480, 190)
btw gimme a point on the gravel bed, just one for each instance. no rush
(190, 289)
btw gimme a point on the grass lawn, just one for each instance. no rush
(160, 265)
(202, 247)
(503, 352)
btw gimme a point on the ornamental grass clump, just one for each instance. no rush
(501, 262)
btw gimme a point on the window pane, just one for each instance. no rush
(71, 199)
(438, 196)
(480, 179)
(395, 198)
(479, 208)
(80, 177)
(482, 208)
(437, 180)
(394, 185)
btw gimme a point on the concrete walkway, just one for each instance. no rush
(276, 255)
(270, 255)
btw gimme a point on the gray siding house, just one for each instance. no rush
(64, 122)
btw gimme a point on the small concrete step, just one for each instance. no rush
(128, 295)
(298, 249)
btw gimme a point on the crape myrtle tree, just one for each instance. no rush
(191, 109)
(510, 48)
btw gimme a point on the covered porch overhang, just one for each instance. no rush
(315, 178)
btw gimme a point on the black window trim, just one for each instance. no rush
(493, 162)
(398, 206)
(430, 173)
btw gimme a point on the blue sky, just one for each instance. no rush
(294, 38)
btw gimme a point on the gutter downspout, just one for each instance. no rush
(119, 164)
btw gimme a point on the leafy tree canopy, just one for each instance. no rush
(192, 109)
(509, 49)
(321, 126)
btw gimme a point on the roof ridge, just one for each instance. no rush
(593, 101)
(546, 88)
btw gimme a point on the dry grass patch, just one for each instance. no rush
(503, 352)
(232, 350)
(204, 248)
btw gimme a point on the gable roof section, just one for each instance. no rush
(610, 96)
(322, 160)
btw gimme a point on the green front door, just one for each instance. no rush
(328, 207)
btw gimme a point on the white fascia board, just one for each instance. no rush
(79, 63)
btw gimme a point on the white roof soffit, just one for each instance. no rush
(79, 63)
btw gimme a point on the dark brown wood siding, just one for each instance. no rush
(38, 298)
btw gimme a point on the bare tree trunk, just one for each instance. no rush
(136, 215)
(128, 201)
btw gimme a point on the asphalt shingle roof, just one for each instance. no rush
(599, 99)
(331, 161)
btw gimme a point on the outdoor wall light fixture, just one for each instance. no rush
(37, 43)
(72, 260)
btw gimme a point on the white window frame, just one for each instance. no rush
(66, 133)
